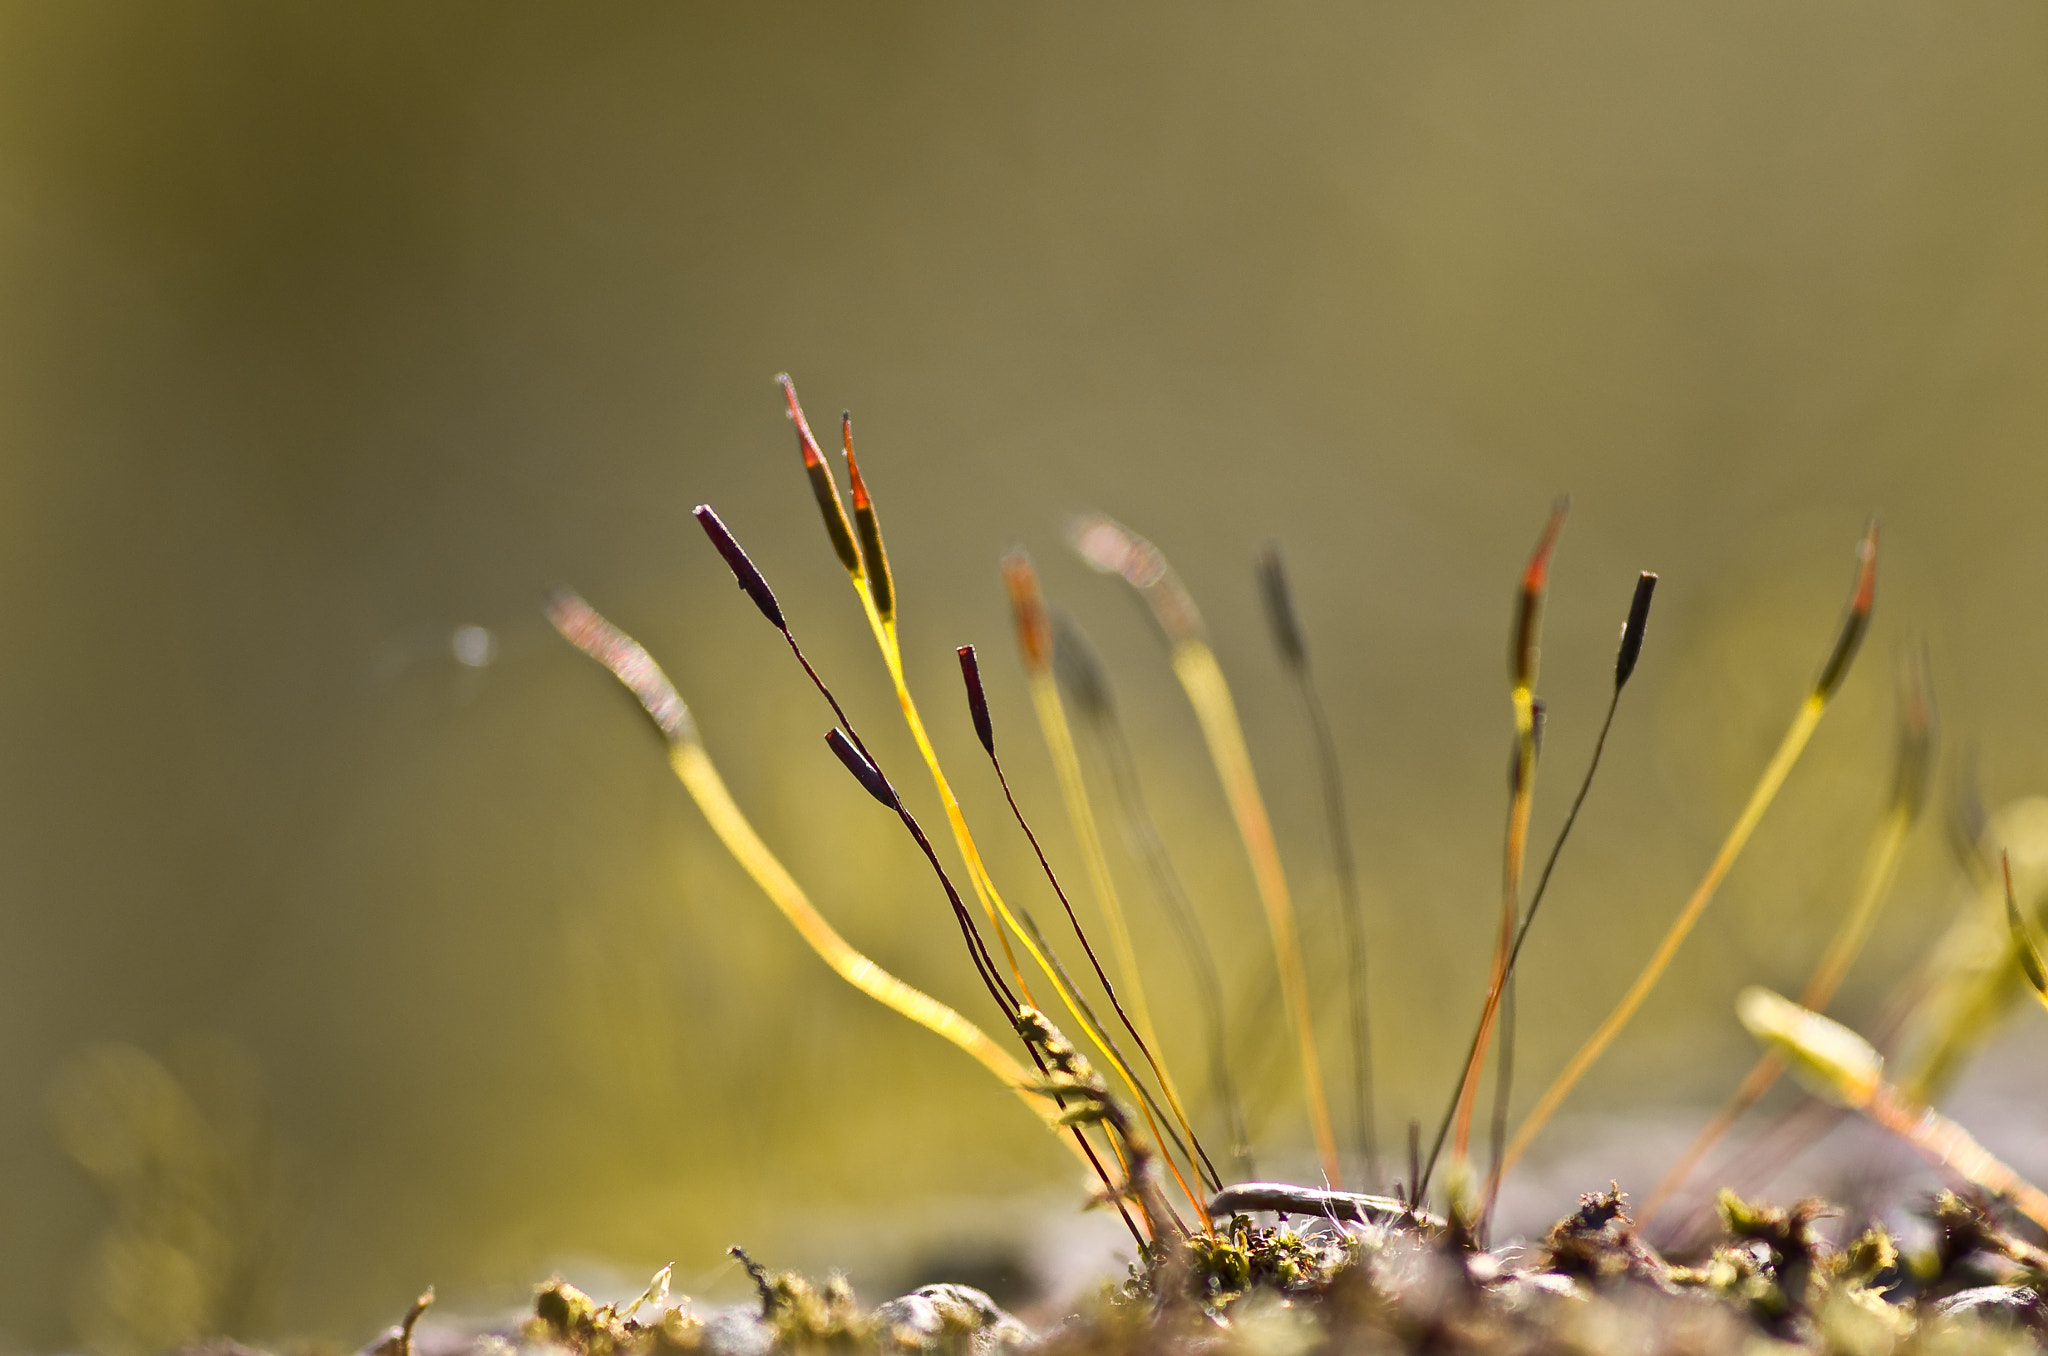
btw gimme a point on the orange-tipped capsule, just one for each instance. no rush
(1632, 630)
(823, 486)
(1529, 603)
(749, 579)
(977, 700)
(881, 587)
(1027, 606)
(866, 773)
(1861, 598)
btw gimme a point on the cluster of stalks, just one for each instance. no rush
(1131, 1129)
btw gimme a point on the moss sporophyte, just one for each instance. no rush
(1405, 1257)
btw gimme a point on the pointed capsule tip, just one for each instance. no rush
(861, 502)
(1027, 608)
(1522, 657)
(823, 488)
(804, 440)
(1537, 576)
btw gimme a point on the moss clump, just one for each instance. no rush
(1773, 1283)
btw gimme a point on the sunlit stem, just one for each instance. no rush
(694, 768)
(1880, 869)
(1059, 741)
(1143, 836)
(1943, 1141)
(866, 564)
(1767, 787)
(1194, 663)
(1511, 893)
(977, 873)
(985, 887)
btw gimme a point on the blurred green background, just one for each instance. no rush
(326, 331)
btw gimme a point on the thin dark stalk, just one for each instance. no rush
(627, 661)
(984, 729)
(751, 582)
(1079, 671)
(1110, 547)
(1415, 1183)
(1515, 952)
(1199, 1156)
(853, 751)
(984, 963)
(1108, 1182)
(1627, 655)
(1505, 1067)
(1163, 1124)
(1294, 655)
(1503, 1089)
(1798, 734)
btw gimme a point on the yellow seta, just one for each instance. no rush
(1848, 640)
(1112, 548)
(582, 626)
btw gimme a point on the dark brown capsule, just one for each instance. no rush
(1632, 629)
(1027, 607)
(977, 700)
(1279, 600)
(823, 487)
(867, 774)
(1529, 602)
(881, 586)
(1861, 599)
(1079, 670)
(750, 581)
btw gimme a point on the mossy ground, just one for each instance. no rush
(1772, 1283)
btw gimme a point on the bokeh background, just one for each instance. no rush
(328, 331)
